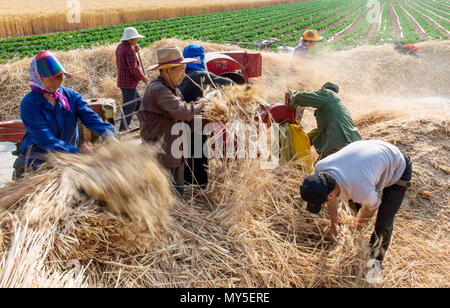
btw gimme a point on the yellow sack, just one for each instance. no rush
(287, 150)
(302, 146)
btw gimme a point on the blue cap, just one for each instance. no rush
(196, 52)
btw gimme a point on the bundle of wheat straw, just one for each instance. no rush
(128, 179)
(234, 103)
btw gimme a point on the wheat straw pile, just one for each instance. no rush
(243, 231)
(113, 222)
(249, 228)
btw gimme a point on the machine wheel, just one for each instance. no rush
(237, 78)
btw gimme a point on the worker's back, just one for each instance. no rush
(363, 169)
(334, 122)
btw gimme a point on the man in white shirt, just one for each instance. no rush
(372, 173)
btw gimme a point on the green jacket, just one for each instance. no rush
(335, 126)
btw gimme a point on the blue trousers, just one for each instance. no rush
(127, 96)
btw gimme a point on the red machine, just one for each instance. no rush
(279, 113)
(407, 49)
(12, 131)
(239, 66)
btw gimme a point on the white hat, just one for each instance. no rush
(130, 33)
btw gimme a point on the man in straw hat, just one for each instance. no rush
(128, 73)
(373, 173)
(164, 106)
(309, 39)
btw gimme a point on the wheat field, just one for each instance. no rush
(27, 17)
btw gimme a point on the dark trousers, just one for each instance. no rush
(197, 168)
(392, 199)
(127, 96)
(178, 179)
(20, 168)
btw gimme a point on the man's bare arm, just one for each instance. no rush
(333, 213)
(365, 215)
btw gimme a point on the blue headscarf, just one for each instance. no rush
(46, 65)
(197, 52)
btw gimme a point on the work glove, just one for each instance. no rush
(199, 105)
(210, 96)
(292, 104)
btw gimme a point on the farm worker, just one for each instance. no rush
(309, 39)
(335, 127)
(163, 107)
(128, 73)
(362, 171)
(197, 77)
(50, 114)
(197, 72)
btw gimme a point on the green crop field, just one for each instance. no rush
(343, 24)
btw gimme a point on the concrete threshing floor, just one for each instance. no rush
(6, 162)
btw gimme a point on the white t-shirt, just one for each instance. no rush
(363, 169)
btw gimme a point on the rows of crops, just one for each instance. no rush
(341, 23)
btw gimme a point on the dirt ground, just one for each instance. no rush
(6, 162)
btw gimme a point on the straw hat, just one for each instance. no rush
(170, 57)
(311, 35)
(130, 33)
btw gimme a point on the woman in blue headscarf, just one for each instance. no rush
(50, 114)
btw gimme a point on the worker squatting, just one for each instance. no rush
(371, 176)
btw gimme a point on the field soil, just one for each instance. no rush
(413, 22)
(375, 25)
(396, 31)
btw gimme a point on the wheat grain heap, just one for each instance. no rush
(87, 223)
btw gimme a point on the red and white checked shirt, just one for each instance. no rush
(128, 72)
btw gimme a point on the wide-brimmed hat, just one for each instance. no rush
(311, 35)
(130, 33)
(170, 57)
(49, 66)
